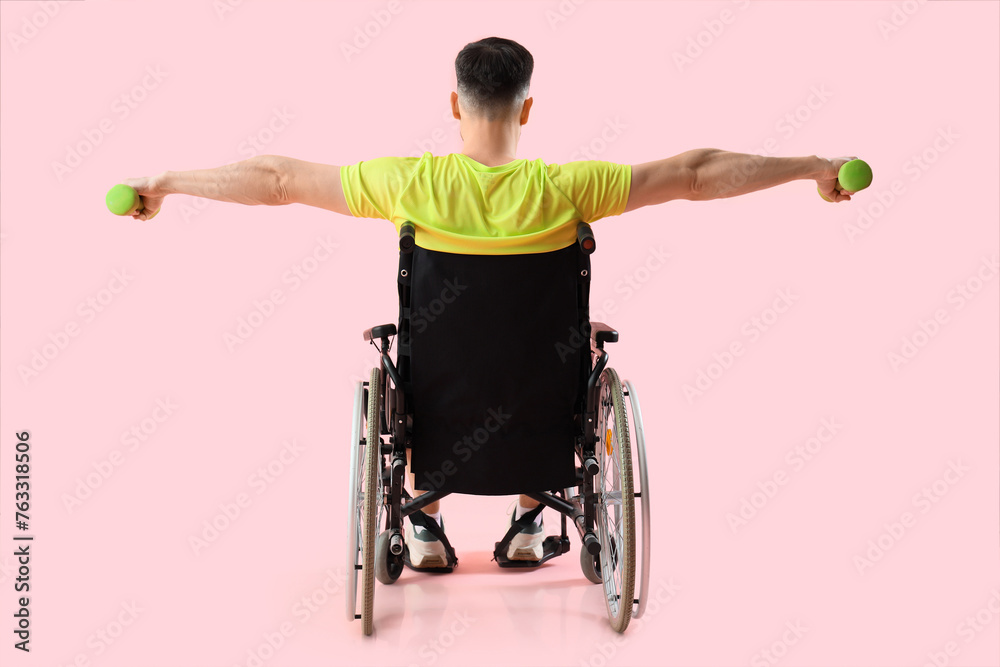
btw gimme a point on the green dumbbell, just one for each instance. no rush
(853, 176)
(124, 200)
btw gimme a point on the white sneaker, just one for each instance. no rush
(527, 544)
(424, 548)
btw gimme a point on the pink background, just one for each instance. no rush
(198, 268)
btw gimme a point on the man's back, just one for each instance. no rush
(459, 205)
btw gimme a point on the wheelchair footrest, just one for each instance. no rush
(553, 546)
(435, 570)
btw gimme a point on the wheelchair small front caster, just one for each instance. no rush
(591, 566)
(388, 567)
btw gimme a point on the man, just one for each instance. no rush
(486, 201)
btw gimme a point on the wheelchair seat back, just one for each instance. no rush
(494, 355)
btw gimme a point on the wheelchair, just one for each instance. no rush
(497, 363)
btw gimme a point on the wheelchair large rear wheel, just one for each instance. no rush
(365, 498)
(354, 497)
(640, 479)
(615, 502)
(372, 500)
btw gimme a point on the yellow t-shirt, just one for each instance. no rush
(459, 205)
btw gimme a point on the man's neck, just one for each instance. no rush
(490, 143)
(489, 158)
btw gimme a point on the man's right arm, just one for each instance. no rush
(703, 174)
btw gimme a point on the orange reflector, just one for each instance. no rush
(607, 440)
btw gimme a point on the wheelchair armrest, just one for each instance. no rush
(381, 331)
(601, 333)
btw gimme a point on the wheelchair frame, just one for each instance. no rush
(377, 495)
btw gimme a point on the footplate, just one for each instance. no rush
(552, 546)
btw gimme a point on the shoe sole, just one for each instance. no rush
(526, 547)
(428, 561)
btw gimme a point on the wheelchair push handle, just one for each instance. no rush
(407, 237)
(585, 237)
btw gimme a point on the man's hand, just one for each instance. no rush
(151, 193)
(828, 181)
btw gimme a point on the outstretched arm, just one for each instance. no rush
(269, 180)
(720, 174)
(709, 173)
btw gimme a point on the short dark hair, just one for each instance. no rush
(493, 76)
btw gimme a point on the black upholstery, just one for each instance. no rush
(494, 367)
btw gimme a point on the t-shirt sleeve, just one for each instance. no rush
(597, 188)
(372, 187)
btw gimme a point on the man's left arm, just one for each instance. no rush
(720, 174)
